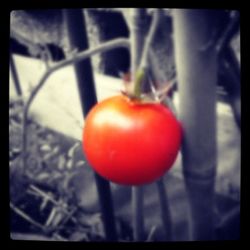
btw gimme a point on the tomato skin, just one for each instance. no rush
(131, 143)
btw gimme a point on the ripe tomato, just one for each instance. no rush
(130, 142)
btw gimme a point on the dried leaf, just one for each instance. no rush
(44, 204)
(56, 175)
(49, 137)
(51, 217)
(80, 163)
(66, 181)
(72, 149)
(45, 147)
(90, 219)
(51, 153)
(59, 215)
(43, 176)
(69, 164)
(16, 149)
(79, 236)
(56, 150)
(61, 162)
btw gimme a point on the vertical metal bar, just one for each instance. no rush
(137, 208)
(165, 212)
(76, 29)
(196, 65)
(15, 76)
(137, 39)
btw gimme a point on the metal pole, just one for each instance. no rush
(196, 65)
(137, 35)
(76, 29)
(165, 210)
(15, 76)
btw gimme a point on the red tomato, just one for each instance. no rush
(129, 142)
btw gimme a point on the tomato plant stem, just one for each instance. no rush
(119, 42)
(137, 17)
(149, 39)
(141, 68)
(139, 77)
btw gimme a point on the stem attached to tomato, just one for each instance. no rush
(149, 39)
(139, 77)
(141, 72)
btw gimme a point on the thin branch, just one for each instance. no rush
(120, 42)
(136, 37)
(141, 72)
(50, 198)
(235, 212)
(69, 217)
(229, 32)
(51, 217)
(44, 195)
(149, 39)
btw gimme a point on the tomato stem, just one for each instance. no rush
(139, 77)
(141, 72)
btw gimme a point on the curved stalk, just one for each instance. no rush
(120, 42)
(144, 62)
(155, 22)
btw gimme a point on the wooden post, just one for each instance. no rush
(196, 66)
(76, 29)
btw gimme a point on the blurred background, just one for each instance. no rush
(56, 197)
